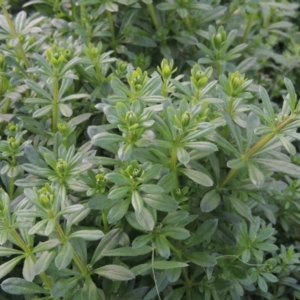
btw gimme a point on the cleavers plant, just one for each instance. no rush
(140, 158)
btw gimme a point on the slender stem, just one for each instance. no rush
(55, 106)
(76, 258)
(55, 6)
(111, 28)
(248, 27)
(152, 14)
(11, 188)
(82, 13)
(230, 105)
(173, 160)
(219, 69)
(98, 72)
(165, 89)
(15, 35)
(105, 223)
(256, 147)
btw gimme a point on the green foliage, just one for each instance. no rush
(149, 150)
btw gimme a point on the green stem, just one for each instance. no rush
(248, 27)
(82, 13)
(55, 6)
(219, 69)
(165, 89)
(15, 35)
(111, 28)
(76, 258)
(187, 23)
(152, 14)
(256, 147)
(55, 106)
(99, 74)
(105, 223)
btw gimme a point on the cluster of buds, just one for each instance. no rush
(46, 196)
(101, 183)
(185, 119)
(58, 56)
(137, 79)
(161, 34)
(121, 67)
(236, 83)
(14, 130)
(131, 120)
(166, 69)
(93, 52)
(199, 78)
(13, 143)
(143, 61)
(61, 167)
(134, 172)
(219, 39)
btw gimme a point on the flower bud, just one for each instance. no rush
(217, 41)
(61, 60)
(54, 62)
(185, 119)
(13, 143)
(62, 127)
(130, 118)
(61, 167)
(122, 66)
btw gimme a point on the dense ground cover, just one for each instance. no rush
(149, 150)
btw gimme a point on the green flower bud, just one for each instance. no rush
(236, 80)
(217, 41)
(201, 82)
(61, 60)
(54, 62)
(130, 118)
(32, 39)
(62, 127)
(45, 201)
(185, 119)
(61, 167)
(94, 52)
(138, 87)
(199, 74)
(122, 66)
(67, 54)
(13, 143)
(49, 54)
(11, 127)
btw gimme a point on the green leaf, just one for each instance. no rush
(110, 241)
(19, 286)
(105, 138)
(166, 265)
(9, 266)
(292, 94)
(145, 219)
(161, 202)
(256, 175)
(167, 182)
(166, 6)
(204, 232)
(137, 201)
(9, 251)
(201, 259)
(162, 247)
(88, 235)
(197, 176)
(38, 89)
(151, 189)
(114, 272)
(267, 104)
(210, 201)
(63, 286)
(242, 208)
(119, 193)
(176, 233)
(44, 261)
(128, 251)
(64, 256)
(182, 155)
(28, 269)
(116, 178)
(118, 211)
(42, 111)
